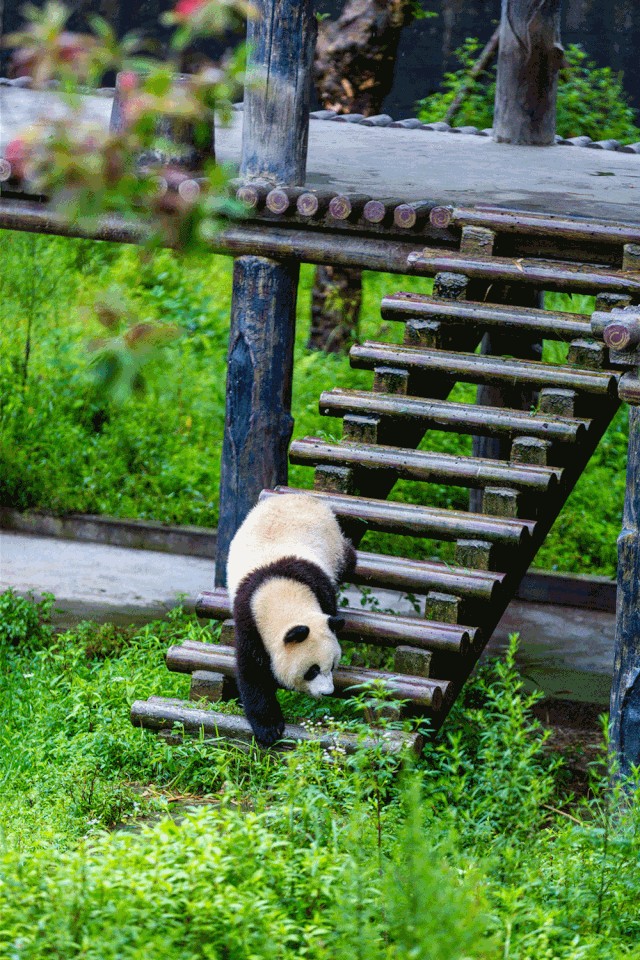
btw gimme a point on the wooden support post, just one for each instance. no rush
(625, 690)
(275, 129)
(528, 62)
(258, 421)
(505, 344)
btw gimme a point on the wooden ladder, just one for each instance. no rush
(543, 443)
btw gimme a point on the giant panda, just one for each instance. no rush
(284, 564)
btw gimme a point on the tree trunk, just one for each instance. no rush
(356, 54)
(530, 56)
(335, 308)
(355, 59)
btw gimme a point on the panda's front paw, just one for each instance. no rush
(268, 735)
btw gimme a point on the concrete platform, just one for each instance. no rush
(565, 651)
(449, 168)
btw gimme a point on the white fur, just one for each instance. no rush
(293, 525)
(300, 526)
(280, 604)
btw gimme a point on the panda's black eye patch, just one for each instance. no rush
(312, 673)
(296, 634)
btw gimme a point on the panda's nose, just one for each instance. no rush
(321, 686)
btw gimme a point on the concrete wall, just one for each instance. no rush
(609, 31)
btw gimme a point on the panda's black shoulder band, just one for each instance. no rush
(290, 568)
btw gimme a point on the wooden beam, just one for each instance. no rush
(258, 421)
(528, 62)
(625, 689)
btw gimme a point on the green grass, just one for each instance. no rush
(115, 844)
(65, 446)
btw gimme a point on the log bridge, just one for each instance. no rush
(497, 219)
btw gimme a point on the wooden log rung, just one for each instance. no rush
(421, 576)
(446, 415)
(621, 329)
(423, 691)
(558, 275)
(483, 368)
(424, 466)
(549, 324)
(160, 714)
(415, 520)
(370, 626)
(526, 223)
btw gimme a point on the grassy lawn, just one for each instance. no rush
(65, 446)
(115, 844)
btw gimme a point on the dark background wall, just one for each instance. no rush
(608, 29)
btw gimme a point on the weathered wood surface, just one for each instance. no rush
(547, 274)
(159, 713)
(252, 239)
(481, 368)
(625, 690)
(281, 42)
(424, 466)
(536, 225)
(504, 342)
(450, 416)
(408, 216)
(258, 422)
(629, 389)
(370, 626)
(348, 206)
(551, 325)
(399, 162)
(420, 576)
(529, 58)
(622, 331)
(420, 521)
(194, 656)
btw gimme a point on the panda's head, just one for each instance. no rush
(299, 638)
(310, 654)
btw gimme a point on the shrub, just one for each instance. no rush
(24, 622)
(592, 100)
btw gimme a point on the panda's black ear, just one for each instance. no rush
(336, 623)
(296, 634)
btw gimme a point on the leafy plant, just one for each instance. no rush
(24, 622)
(591, 102)
(114, 842)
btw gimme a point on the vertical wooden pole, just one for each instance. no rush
(625, 690)
(258, 421)
(528, 62)
(505, 344)
(530, 55)
(275, 133)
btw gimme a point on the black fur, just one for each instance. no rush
(297, 634)
(348, 565)
(256, 682)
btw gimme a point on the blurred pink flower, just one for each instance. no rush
(185, 9)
